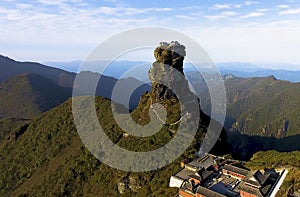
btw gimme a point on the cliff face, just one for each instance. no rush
(167, 76)
(171, 53)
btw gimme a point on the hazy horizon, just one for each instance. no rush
(236, 31)
(259, 65)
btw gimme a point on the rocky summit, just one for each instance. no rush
(167, 76)
(171, 53)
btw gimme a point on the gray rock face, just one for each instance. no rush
(128, 184)
(171, 53)
(166, 73)
(122, 186)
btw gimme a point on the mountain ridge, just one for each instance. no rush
(266, 101)
(10, 68)
(27, 95)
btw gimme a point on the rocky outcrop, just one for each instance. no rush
(170, 89)
(171, 53)
(281, 133)
(128, 183)
(122, 186)
(167, 74)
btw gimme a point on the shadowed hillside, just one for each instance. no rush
(27, 95)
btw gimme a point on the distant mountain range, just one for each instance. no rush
(278, 100)
(245, 70)
(249, 70)
(28, 88)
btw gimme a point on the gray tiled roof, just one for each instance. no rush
(236, 169)
(259, 179)
(184, 174)
(203, 162)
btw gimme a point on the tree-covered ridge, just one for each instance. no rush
(280, 160)
(28, 95)
(263, 106)
(10, 128)
(49, 159)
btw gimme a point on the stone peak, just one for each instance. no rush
(173, 46)
(169, 53)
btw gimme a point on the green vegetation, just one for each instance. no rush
(48, 159)
(28, 95)
(274, 159)
(10, 126)
(263, 106)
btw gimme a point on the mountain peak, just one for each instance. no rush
(5, 58)
(170, 53)
(10, 68)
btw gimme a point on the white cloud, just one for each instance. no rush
(191, 7)
(112, 1)
(229, 13)
(185, 17)
(214, 17)
(290, 11)
(263, 10)
(237, 6)
(253, 14)
(121, 11)
(221, 6)
(251, 2)
(222, 15)
(76, 1)
(23, 6)
(283, 22)
(70, 32)
(51, 2)
(283, 6)
(156, 9)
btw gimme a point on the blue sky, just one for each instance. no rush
(259, 31)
